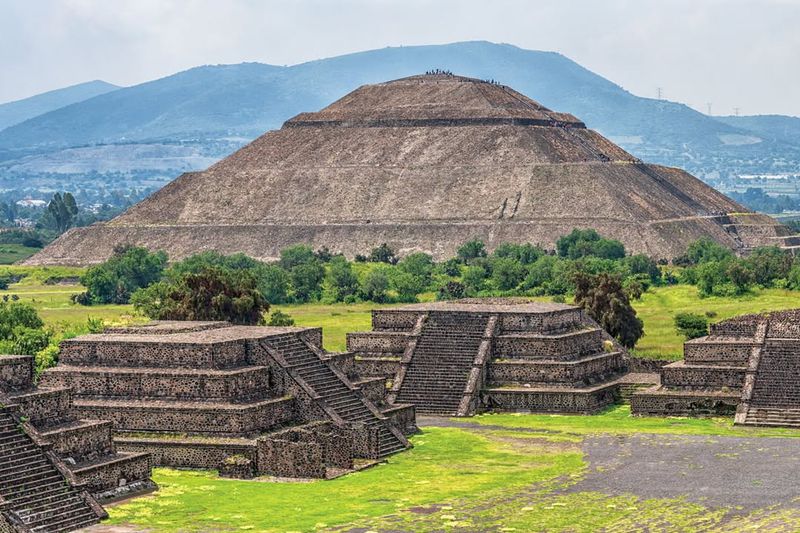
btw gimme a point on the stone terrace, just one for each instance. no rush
(748, 365)
(84, 443)
(455, 358)
(196, 394)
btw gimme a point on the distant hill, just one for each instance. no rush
(778, 127)
(21, 110)
(242, 101)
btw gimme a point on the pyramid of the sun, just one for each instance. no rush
(424, 163)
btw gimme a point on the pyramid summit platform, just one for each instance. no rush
(424, 163)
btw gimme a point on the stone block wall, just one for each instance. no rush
(386, 367)
(234, 420)
(551, 322)
(572, 373)
(240, 384)
(378, 342)
(721, 352)
(563, 347)
(84, 441)
(151, 353)
(305, 452)
(550, 401)
(187, 453)
(98, 478)
(394, 319)
(45, 408)
(679, 403)
(712, 377)
(16, 373)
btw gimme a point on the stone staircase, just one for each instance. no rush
(440, 366)
(36, 493)
(336, 393)
(775, 398)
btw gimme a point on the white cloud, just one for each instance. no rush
(734, 53)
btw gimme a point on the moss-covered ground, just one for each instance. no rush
(517, 477)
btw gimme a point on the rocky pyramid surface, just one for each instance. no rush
(424, 163)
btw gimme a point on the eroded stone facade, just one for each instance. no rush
(502, 354)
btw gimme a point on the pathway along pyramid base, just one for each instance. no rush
(424, 164)
(465, 356)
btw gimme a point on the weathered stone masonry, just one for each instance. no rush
(460, 357)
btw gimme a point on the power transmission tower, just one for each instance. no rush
(736, 111)
(658, 89)
(708, 105)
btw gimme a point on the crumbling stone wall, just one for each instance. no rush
(16, 372)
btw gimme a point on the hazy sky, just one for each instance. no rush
(733, 53)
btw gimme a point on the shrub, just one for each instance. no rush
(705, 250)
(419, 265)
(471, 250)
(605, 300)
(451, 267)
(522, 253)
(279, 318)
(16, 315)
(691, 325)
(29, 341)
(211, 294)
(452, 290)
(307, 281)
(406, 285)
(507, 273)
(296, 255)
(375, 286)
(383, 254)
(340, 280)
(587, 242)
(474, 279)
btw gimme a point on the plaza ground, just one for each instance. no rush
(610, 472)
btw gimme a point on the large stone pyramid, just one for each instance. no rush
(424, 163)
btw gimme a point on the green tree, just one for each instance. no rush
(129, 269)
(604, 300)
(280, 319)
(406, 285)
(471, 250)
(507, 273)
(419, 265)
(61, 211)
(375, 286)
(340, 280)
(14, 315)
(474, 279)
(452, 290)
(307, 281)
(523, 253)
(691, 325)
(705, 250)
(213, 293)
(768, 264)
(587, 242)
(383, 254)
(296, 255)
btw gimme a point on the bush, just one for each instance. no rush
(129, 269)
(691, 325)
(605, 301)
(375, 286)
(705, 250)
(211, 294)
(419, 265)
(507, 273)
(406, 285)
(471, 250)
(340, 280)
(16, 315)
(296, 255)
(452, 290)
(307, 281)
(383, 254)
(280, 319)
(474, 279)
(29, 341)
(587, 242)
(522, 253)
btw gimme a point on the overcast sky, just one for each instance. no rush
(733, 53)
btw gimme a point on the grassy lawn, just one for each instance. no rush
(659, 305)
(11, 253)
(656, 308)
(445, 463)
(618, 421)
(509, 479)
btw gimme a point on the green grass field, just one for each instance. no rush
(11, 253)
(453, 479)
(656, 308)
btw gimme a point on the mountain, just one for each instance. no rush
(778, 127)
(21, 110)
(239, 102)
